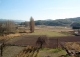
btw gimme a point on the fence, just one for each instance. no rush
(1, 49)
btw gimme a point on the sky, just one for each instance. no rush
(39, 9)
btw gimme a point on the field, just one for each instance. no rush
(31, 40)
(11, 51)
(44, 52)
(52, 31)
(16, 43)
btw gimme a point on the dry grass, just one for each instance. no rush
(72, 46)
(29, 52)
(10, 36)
(13, 35)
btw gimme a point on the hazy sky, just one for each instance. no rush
(39, 9)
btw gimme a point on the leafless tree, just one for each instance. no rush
(10, 26)
(26, 24)
(41, 41)
(2, 29)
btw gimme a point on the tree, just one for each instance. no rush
(76, 24)
(2, 29)
(32, 25)
(10, 26)
(41, 41)
(26, 24)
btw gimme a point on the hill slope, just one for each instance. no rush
(60, 22)
(49, 22)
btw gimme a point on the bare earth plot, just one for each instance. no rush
(31, 40)
(23, 40)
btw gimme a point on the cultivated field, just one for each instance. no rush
(16, 43)
(53, 31)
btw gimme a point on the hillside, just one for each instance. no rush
(60, 22)
(50, 22)
(16, 21)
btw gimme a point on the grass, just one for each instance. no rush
(55, 50)
(51, 50)
(49, 33)
(11, 51)
(44, 52)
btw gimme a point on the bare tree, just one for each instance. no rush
(41, 41)
(26, 24)
(10, 26)
(32, 25)
(2, 29)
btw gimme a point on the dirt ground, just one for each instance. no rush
(31, 40)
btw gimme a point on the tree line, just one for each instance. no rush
(8, 26)
(59, 22)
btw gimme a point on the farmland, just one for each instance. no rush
(52, 31)
(31, 40)
(39, 28)
(18, 42)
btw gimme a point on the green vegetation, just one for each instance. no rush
(52, 50)
(44, 52)
(55, 50)
(60, 22)
(49, 33)
(76, 24)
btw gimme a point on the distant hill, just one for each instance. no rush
(2, 20)
(16, 21)
(50, 22)
(60, 22)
